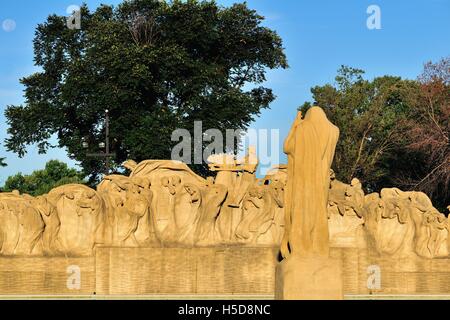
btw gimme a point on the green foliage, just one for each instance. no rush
(370, 116)
(155, 66)
(40, 182)
(394, 132)
(2, 162)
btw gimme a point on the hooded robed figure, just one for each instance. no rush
(310, 147)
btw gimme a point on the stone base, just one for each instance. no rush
(299, 278)
(186, 271)
(220, 272)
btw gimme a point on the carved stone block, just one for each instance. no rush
(315, 278)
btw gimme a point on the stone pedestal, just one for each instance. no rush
(301, 278)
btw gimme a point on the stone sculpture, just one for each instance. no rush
(310, 147)
(128, 202)
(82, 215)
(237, 175)
(346, 213)
(170, 202)
(21, 226)
(164, 203)
(403, 224)
(306, 271)
(49, 215)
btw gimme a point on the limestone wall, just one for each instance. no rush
(410, 276)
(202, 271)
(222, 271)
(44, 276)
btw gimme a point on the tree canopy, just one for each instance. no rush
(155, 66)
(40, 182)
(2, 162)
(427, 135)
(394, 132)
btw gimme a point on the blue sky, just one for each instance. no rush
(319, 37)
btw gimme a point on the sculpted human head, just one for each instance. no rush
(315, 114)
(42, 204)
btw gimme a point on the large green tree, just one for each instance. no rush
(155, 66)
(394, 132)
(370, 116)
(40, 182)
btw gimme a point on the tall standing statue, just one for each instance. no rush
(310, 147)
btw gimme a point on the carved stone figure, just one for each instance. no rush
(206, 232)
(254, 216)
(82, 215)
(52, 224)
(9, 223)
(128, 202)
(246, 169)
(404, 224)
(260, 224)
(145, 233)
(238, 176)
(307, 272)
(168, 194)
(193, 207)
(346, 213)
(21, 226)
(310, 147)
(387, 229)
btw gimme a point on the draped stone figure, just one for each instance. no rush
(206, 233)
(128, 205)
(186, 231)
(307, 272)
(405, 224)
(259, 223)
(168, 195)
(82, 217)
(31, 228)
(253, 215)
(238, 175)
(21, 226)
(310, 147)
(52, 223)
(145, 232)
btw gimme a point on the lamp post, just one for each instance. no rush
(107, 155)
